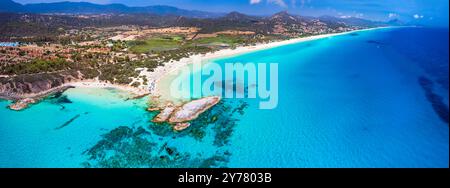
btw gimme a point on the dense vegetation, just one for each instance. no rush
(40, 26)
(37, 66)
(13, 25)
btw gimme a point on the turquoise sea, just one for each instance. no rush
(368, 99)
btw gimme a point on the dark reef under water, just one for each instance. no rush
(67, 123)
(59, 98)
(138, 147)
(436, 101)
(430, 51)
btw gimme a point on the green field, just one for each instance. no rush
(155, 44)
(168, 43)
(220, 40)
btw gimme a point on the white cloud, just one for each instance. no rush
(252, 2)
(280, 3)
(354, 15)
(392, 15)
(417, 16)
(345, 16)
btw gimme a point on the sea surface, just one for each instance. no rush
(369, 99)
(9, 44)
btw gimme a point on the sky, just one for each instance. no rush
(431, 12)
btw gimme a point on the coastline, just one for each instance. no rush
(155, 78)
(97, 84)
(21, 102)
(40, 95)
(170, 68)
(77, 84)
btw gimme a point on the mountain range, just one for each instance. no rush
(46, 19)
(91, 8)
(161, 10)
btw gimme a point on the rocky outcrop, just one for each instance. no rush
(180, 116)
(153, 109)
(21, 104)
(34, 85)
(165, 114)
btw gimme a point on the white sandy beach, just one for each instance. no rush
(169, 69)
(98, 84)
(159, 79)
(158, 88)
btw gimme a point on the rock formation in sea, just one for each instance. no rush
(22, 104)
(181, 126)
(165, 114)
(180, 116)
(191, 110)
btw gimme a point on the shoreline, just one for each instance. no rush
(77, 84)
(164, 72)
(40, 95)
(169, 68)
(97, 84)
(21, 102)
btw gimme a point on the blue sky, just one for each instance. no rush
(433, 12)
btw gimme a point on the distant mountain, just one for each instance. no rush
(284, 17)
(91, 8)
(44, 21)
(168, 10)
(74, 8)
(233, 21)
(241, 19)
(395, 22)
(353, 21)
(237, 16)
(10, 6)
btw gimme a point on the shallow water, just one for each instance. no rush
(345, 101)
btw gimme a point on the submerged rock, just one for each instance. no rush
(181, 126)
(68, 122)
(126, 147)
(437, 102)
(155, 147)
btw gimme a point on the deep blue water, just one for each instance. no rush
(375, 99)
(353, 101)
(371, 99)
